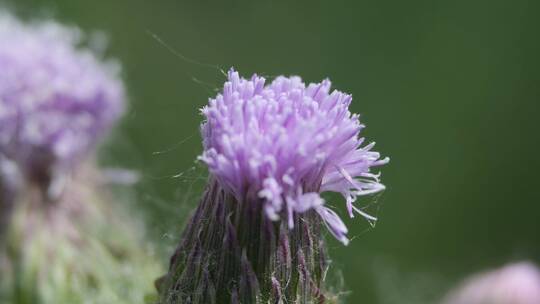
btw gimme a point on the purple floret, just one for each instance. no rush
(283, 144)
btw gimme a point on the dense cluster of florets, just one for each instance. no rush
(284, 143)
(56, 99)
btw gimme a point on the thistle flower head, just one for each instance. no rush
(283, 144)
(56, 99)
(517, 283)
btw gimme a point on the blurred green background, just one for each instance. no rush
(448, 89)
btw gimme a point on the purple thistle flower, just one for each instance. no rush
(517, 283)
(255, 236)
(56, 99)
(287, 142)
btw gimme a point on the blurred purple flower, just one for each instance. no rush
(56, 99)
(514, 284)
(284, 143)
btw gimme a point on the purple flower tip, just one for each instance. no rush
(284, 143)
(55, 99)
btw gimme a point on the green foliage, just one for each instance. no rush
(82, 248)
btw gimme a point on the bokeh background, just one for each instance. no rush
(450, 90)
